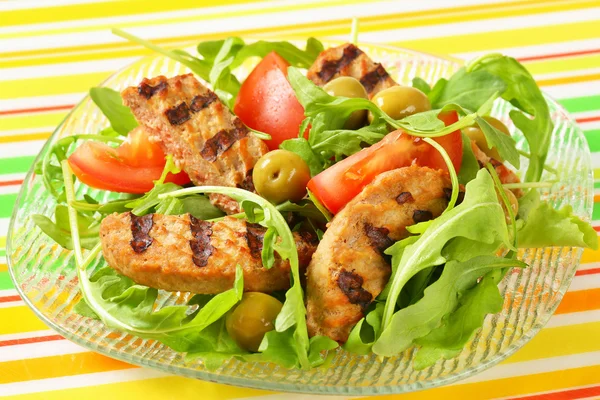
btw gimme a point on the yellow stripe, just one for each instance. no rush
(568, 79)
(19, 319)
(564, 64)
(50, 85)
(24, 138)
(3, 267)
(590, 255)
(42, 120)
(481, 41)
(101, 10)
(171, 387)
(338, 27)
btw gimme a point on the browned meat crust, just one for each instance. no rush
(349, 269)
(349, 60)
(204, 137)
(182, 253)
(506, 175)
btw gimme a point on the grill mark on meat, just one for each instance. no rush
(200, 243)
(495, 163)
(404, 197)
(140, 229)
(309, 237)
(247, 183)
(255, 235)
(332, 67)
(422, 216)
(179, 114)
(351, 285)
(148, 91)
(378, 237)
(223, 140)
(448, 194)
(371, 79)
(199, 103)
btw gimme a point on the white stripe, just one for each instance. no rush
(78, 381)
(25, 131)
(595, 160)
(11, 177)
(575, 318)
(27, 335)
(591, 265)
(293, 18)
(41, 101)
(586, 114)
(570, 90)
(484, 25)
(532, 367)
(38, 350)
(11, 189)
(18, 149)
(6, 293)
(567, 74)
(585, 282)
(538, 50)
(11, 304)
(3, 231)
(588, 126)
(61, 69)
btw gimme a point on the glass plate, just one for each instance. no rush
(44, 273)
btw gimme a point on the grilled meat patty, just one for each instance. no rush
(349, 60)
(182, 253)
(349, 269)
(205, 139)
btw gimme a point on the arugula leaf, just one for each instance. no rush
(479, 217)
(506, 145)
(305, 208)
(200, 207)
(301, 147)
(523, 93)
(110, 103)
(421, 84)
(292, 54)
(545, 226)
(62, 236)
(469, 165)
(470, 90)
(448, 340)
(293, 313)
(343, 142)
(437, 90)
(439, 300)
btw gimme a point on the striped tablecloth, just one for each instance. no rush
(51, 52)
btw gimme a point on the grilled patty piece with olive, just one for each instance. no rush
(205, 139)
(349, 268)
(349, 60)
(182, 253)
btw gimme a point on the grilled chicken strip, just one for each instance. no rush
(205, 139)
(349, 268)
(349, 60)
(504, 174)
(182, 253)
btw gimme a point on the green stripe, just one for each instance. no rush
(2, 252)
(16, 164)
(593, 139)
(581, 104)
(7, 202)
(5, 281)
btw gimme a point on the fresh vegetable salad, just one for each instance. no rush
(315, 204)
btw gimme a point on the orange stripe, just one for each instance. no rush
(558, 55)
(581, 393)
(11, 183)
(38, 109)
(568, 79)
(587, 271)
(580, 300)
(588, 119)
(37, 339)
(7, 299)
(57, 366)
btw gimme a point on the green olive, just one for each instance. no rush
(347, 86)
(281, 175)
(474, 133)
(248, 322)
(401, 101)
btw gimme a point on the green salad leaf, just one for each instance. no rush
(479, 218)
(543, 225)
(469, 90)
(300, 146)
(421, 84)
(469, 165)
(110, 103)
(522, 92)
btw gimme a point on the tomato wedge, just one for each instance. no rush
(340, 183)
(266, 101)
(131, 168)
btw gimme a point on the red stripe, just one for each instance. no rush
(588, 119)
(587, 271)
(597, 228)
(38, 109)
(559, 55)
(565, 395)
(7, 299)
(38, 339)
(11, 183)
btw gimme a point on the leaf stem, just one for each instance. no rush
(70, 193)
(354, 31)
(451, 170)
(528, 185)
(505, 200)
(546, 166)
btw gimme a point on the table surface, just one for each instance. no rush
(51, 54)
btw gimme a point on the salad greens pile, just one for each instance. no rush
(445, 275)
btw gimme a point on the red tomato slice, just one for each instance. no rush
(131, 168)
(266, 101)
(339, 184)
